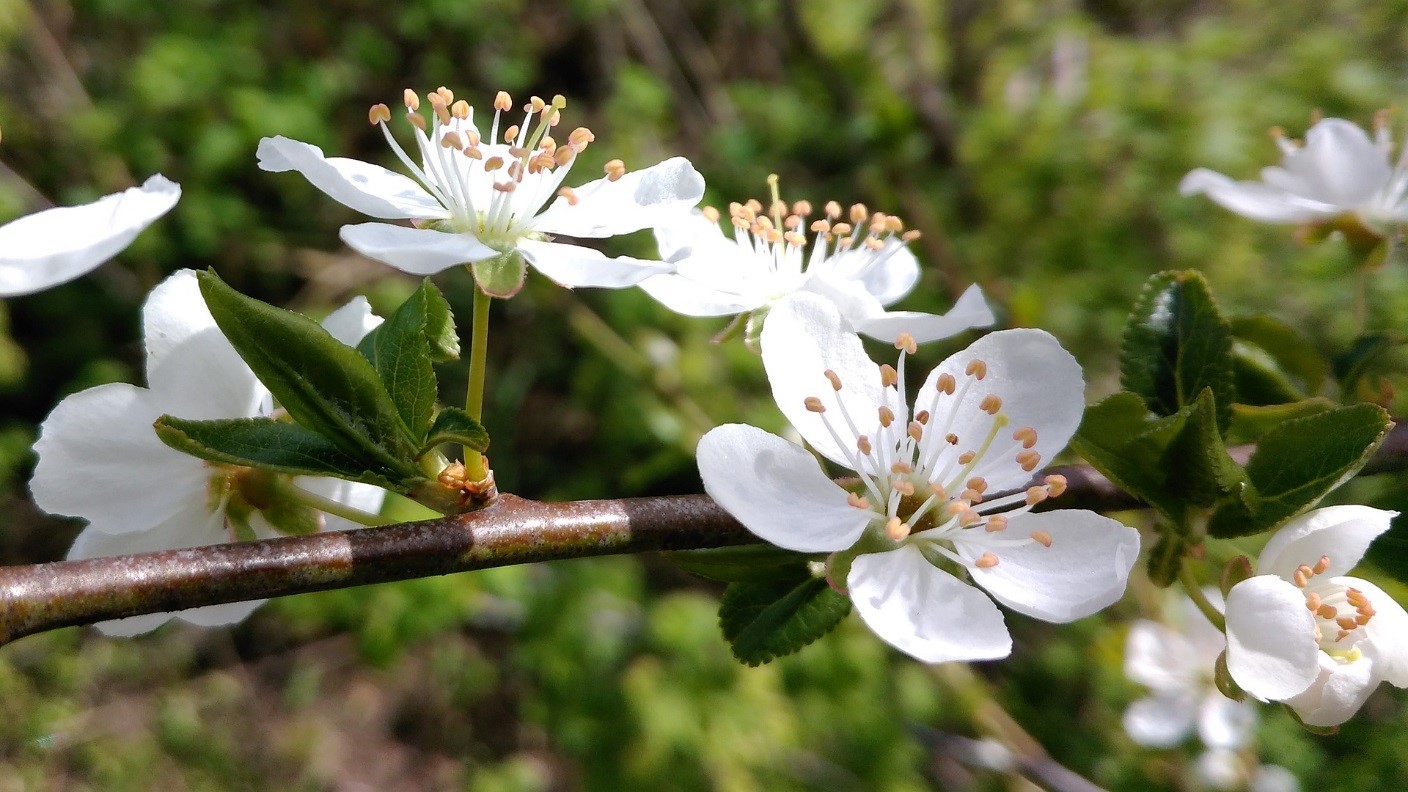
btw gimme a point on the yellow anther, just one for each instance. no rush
(503, 102)
(795, 239)
(916, 431)
(833, 378)
(511, 134)
(569, 194)
(460, 109)
(946, 383)
(888, 376)
(902, 467)
(841, 229)
(976, 369)
(991, 404)
(493, 163)
(874, 244)
(442, 112)
(996, 523)
(792, 222)
(896, 529)
(1036, 495)
(778, 208)
(1056, 484)
(906, 342)
(445, 94)
(877, 222)
(614, 169)
(1322, 565)
(813, 404)
(922, 417)
(1026, 436)
(1042, 538)
(564, 155)
(535, 105)
(909, 236)
(417, 120)
(970, 518)
(1312, 602)
(754, 205)
(411, 100)
(1300, 577)
(844, 243)
(951, 438)
(893, 224)
(986, 561)
(506, 187)
(710, 213)
(1362, 619)
(580, 137)
(859, 213)
(970, 495)
(938, 490)
(1346, 623)
(863, 445)
(978, 483)
(957, 507)
(966, 457)
(887, 416)
(833, 210)
(802, 208)
(1029, 460)
(1327, 612)
(820, 226)
(451, 140)
(473, 152)
(857, 501)
(379, 114)
(904, 487)
(773, 236)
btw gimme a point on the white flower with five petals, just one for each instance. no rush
(1175, 660)
(1340, 173)
(100, 459)
(1303, 632)
(55, 246)
(479, 200)
(862, 266)
(921, 520)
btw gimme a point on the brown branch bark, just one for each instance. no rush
(40, 597)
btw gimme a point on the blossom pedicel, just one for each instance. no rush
(479, 199)
(923, 513)
(857, 259)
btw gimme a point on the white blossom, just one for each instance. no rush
(1303, 632)
(478, 199)
(55, 246)
(862, 266)
(100, 459)
(926, 515)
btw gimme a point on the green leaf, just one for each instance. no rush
(454, 425)
(1176, 344)
(1250, 423)
(1270, 357)
(1298, 463)
(1354, 369)
(293, 519)
(1165, 559)
(739, 563)
(1199, 469)
(270, 445)
(762, 620)
(324, 384)
(402, 349)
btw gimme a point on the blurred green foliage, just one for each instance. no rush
(1037, 146)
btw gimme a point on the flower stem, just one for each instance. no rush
(1361, 299)
(335, 508)
(475, 469)
(1195, 593)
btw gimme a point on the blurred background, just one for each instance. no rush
(1037, 146)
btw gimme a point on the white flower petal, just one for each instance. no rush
(351, 323)
(923, 611)
(1224, 723)
(639, 199)
(1340, 533)
(1274, 778)
(1084, 570)
(54, 246)
(172, 313)
(777, 490)
(802, 338)
(100, 460)
(363, 497)
(690, 234)
(969, 312)
(370, 189)
(1255, 200)
(1339, 164)
(1161, 658)
(692, 298)
(1040, 385)
(1337, 691)
(574, 265)
(1218, 770)
(1162, 720)
(1387, 631)
(190, 363)
(1271, 648)
(849, 296)
(893, 277)
(418, 251)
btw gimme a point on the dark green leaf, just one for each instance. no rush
(454, 425)
(743, 562)
(762, 620)
(1298, 463)
(1165, 559)
(324, 384)
(1282, 352)
(1354, 369)
(270, 445)
(402, 349)
(1176, 344)
(1196, 462)
(1250, 423)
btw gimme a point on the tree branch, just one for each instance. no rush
(40, 597)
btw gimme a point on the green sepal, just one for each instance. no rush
(324, 384)
(740, 563)
(453, 425)
(767, 619)
(293, 519)
(1298, 463)
(1222, 678)
(275, 446)
(237, 516)
(501, 276)
(401, 350)
(1176, 343)
(1236, 571)
(1321, 731)
(1165, 559)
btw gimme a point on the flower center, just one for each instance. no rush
(1340, 611)
(921, 482)
(778, 238)
(491, 187)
